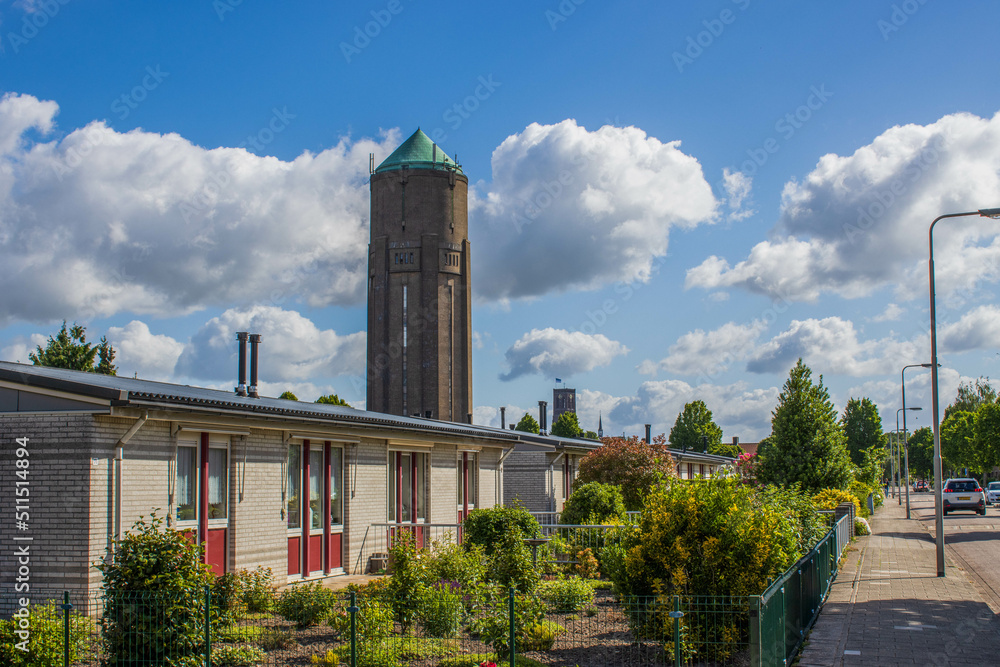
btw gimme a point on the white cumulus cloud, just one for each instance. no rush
(978, 329)
(139, 351)
(293, 349)
(858, 222)
(557, 352)
(573, 209)
(100, 221)
(707, 353)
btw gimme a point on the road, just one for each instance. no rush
(971, 541)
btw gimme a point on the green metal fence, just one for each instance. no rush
(137, 628)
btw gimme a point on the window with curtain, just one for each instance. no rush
(218, 483)
(336, 486)
(316, 489)
(294, 485)
(187, 483)
(406, 470)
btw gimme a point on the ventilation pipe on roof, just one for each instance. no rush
(503, 419)
(254, 347)
(649, 430)
(241, 387)
(543, 417)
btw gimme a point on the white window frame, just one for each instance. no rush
(337, 470)
(313, 448)
(390, 471)
(221, 442)
(183, 524)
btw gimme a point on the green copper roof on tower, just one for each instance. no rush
(418, 152)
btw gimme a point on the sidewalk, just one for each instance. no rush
(889, 607)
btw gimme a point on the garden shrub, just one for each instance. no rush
(441, 610)
(566, 594)
(828, 499)
(273, 639)
(452, 562)
(154, 598)
(256, 588)
(410, 577)
(541, 636)
(487, 527)
(593, 503)
(711, 537)
(236, 656)
(586, 565)
(307, 604)
(492, 624)
(486, 660)
(227, 598)
(510, 564)
(811, 526)
(45, 643)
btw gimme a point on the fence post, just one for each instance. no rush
(66, 606)
(208, 626)
(755, 638)
(677, 615)
(510, 613)
(353, 610)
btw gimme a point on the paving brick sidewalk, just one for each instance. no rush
(889, 607)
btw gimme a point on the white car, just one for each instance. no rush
(963, 493)
(993, 493)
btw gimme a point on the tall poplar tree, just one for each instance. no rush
(807, 444)
(863, 428)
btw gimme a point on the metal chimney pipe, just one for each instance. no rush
(503, 419)
(241, 388)
(254, 346)
(468, 417)
(543, 416)
(649, 430)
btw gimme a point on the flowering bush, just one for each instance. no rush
(709, 537)
(828, 499)
(631, 465)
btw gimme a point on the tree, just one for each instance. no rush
(70, 349)
(593, 502)
(567, 426)
(527, 424)
(693, 424)
(332, 399)
(986, 436)
(807, 444)
(590, 435)
(863, 428)
(957, 432)
(630, 464)
(921, 447)
(971, 396)
(288, 396)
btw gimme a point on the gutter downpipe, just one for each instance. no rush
(119, 465)
(552, 479)
(499, 485)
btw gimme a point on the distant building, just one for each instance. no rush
(563, 400)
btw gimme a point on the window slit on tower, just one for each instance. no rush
(404, 350)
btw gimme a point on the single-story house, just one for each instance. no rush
(691, 464)
(308, 490)
(539, 473)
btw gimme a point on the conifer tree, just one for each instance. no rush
(807, 444)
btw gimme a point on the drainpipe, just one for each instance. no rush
(552, 478)
(119, 464)
(499, 485)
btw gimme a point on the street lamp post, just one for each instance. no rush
(906, 449)
(938, 506)
(906, 457)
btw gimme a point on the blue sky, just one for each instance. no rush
(670, 201)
